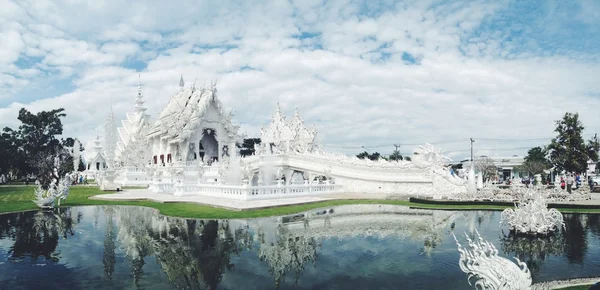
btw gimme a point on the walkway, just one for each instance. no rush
(144, 194)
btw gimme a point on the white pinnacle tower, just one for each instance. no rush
(139, 99)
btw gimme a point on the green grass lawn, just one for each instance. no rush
(19, 198)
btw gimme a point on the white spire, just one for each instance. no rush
(97, 142)
(181, 83)
(139, 99)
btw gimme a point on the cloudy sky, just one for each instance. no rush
(366, 73)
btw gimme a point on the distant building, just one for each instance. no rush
(506, 165)
(95, 160)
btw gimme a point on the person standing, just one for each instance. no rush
(569, 183)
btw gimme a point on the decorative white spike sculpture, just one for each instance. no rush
(481, 261)
(76, 155)
(56, 192)
(531, 215)
(110, 139)
(110, 146)
(472, 186)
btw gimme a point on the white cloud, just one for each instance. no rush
(11, 47)
(348, 76)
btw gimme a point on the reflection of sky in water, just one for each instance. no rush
(404, 252)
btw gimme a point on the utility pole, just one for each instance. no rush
(397, 146)
(472, 141)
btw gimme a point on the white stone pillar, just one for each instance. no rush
(288, 176)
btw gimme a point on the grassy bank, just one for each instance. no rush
(18, 198)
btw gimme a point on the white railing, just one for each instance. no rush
(134, 169)
(325, 160)
(246, 192)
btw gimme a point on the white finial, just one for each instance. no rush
(139, 99)
(181, 83)
(139, 86)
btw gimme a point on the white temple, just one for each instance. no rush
(191, 150)
(95, 160)
(193, 126)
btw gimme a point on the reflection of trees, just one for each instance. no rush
(36, 233)
(533, 250)
(593, 224)
(575, 237)
(289, 254)
(108, 257)
(194, 254)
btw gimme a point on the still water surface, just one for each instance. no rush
(346, 247)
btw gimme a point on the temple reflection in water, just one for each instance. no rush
(196, 253)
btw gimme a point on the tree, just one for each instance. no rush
(536, 154)
(485, 166)
(568, 150)
(13, 155)
(375, 156)
(593, 147)
(395, 156)
(248, 146)
(363, 155)
(535, 161)
(38, 131)
(34, 145)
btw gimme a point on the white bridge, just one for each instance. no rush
(296, 175)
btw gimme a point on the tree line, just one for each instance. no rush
(395, 156)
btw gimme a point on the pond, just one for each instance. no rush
(345, 247)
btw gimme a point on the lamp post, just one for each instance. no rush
(472, 189)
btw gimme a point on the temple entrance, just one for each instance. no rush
(209, 147)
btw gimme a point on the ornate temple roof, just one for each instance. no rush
(300, 138)
(135, 124)
(185, 111)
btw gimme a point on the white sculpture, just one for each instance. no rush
(76, 155)
(531, 215)
(481, 262)
(110, 139)
(57, 191)
(110, 145)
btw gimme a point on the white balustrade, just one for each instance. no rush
(245, 192)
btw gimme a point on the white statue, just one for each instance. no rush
(481, 262)
(531, 215)
(76, 155)
(56, 192)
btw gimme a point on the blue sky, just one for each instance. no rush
(367, 73)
